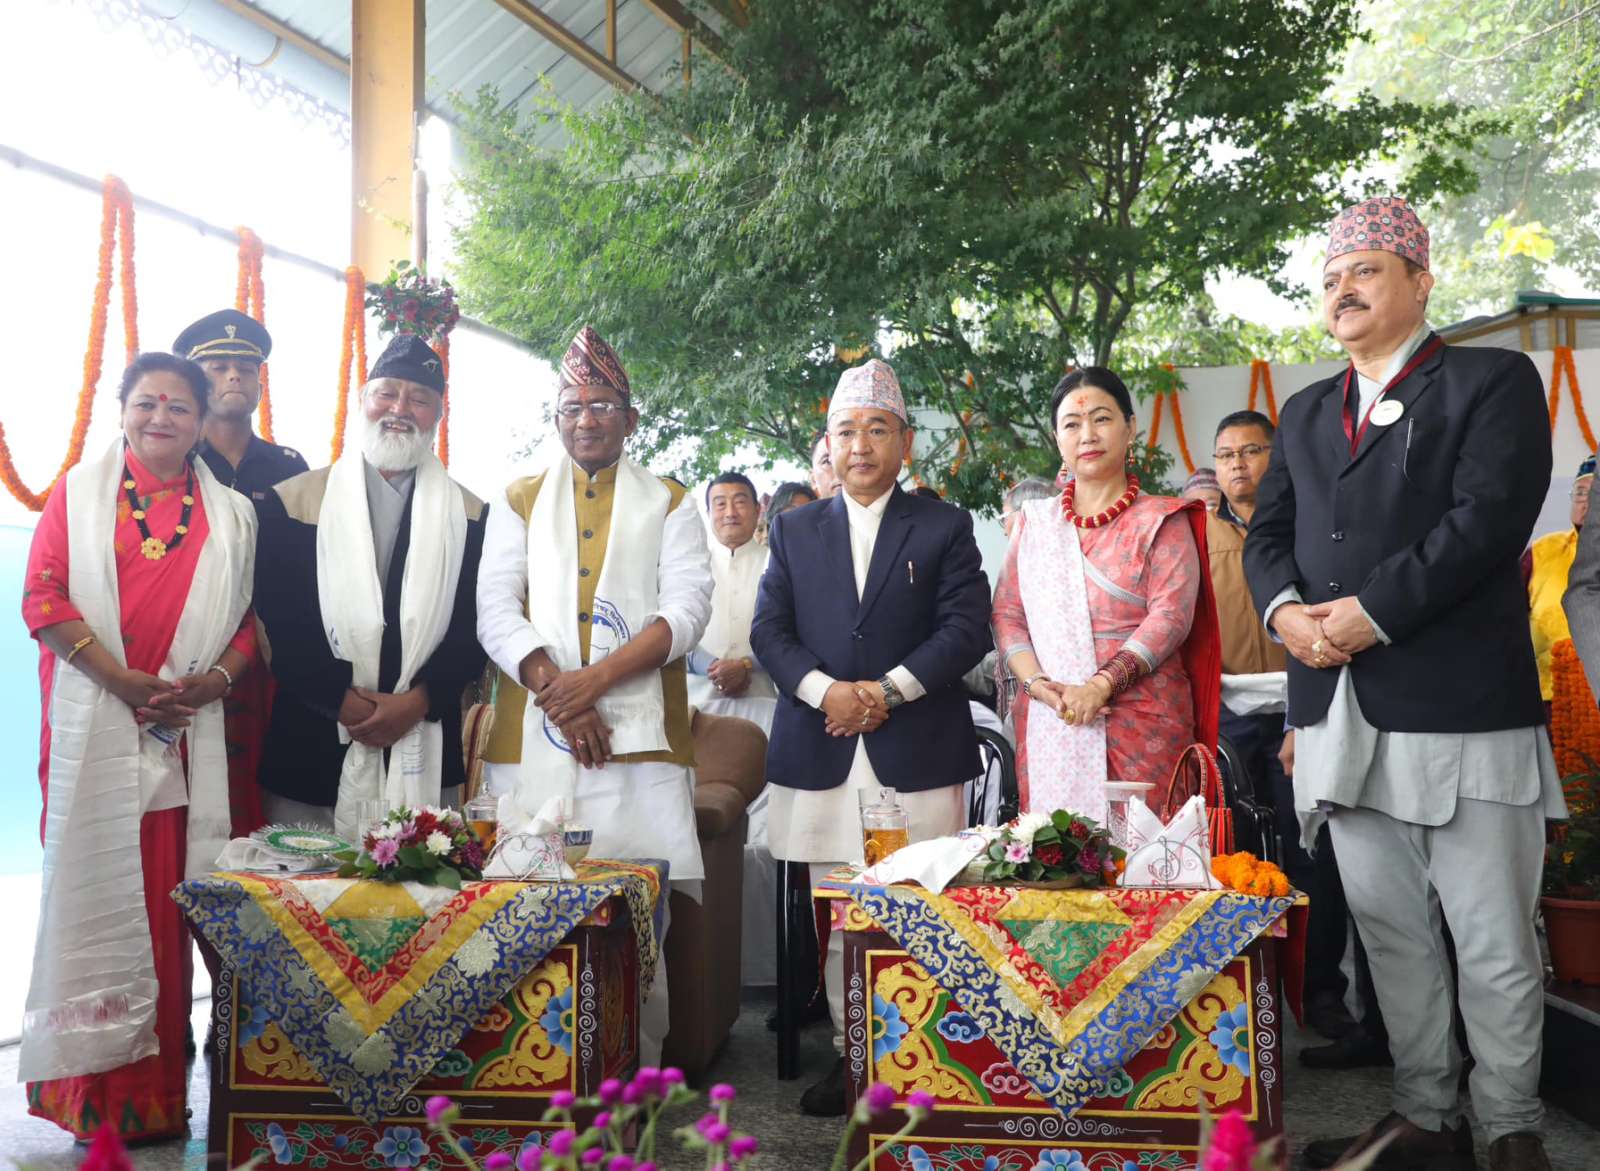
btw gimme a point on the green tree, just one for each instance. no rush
(1535, 66)
(987, 191)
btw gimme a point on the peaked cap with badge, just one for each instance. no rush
(227, 333)
(409, 357)
(590, 361)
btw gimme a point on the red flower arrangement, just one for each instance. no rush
(428, 845)
(409, 302)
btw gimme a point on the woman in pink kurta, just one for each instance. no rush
(162, 406)
(1132, 567)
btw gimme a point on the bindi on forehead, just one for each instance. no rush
(1082, 402)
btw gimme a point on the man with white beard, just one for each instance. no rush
(366, 585)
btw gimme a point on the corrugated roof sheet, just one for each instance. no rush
(477, 43)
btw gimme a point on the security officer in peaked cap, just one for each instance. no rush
(230, 347)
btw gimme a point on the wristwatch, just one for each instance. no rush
(892, 697)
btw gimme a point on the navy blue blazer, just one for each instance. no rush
(925, 607)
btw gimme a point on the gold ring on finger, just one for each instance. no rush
(1072, 716)
(1316, 648)
(863, 719)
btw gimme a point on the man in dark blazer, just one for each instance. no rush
(872, 607)
(390, 698)
(1384, 554)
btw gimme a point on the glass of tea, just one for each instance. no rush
(885, 825)
(482, 815)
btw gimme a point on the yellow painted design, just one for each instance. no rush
(1201, 1069)
(534, 1059)
(914, 1065)
(272, 1056)
(372, 1017)
(849, 917)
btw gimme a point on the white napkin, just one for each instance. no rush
(932, 863)
(531, 848)
(1177, 854)
(1258, 694)
(249, 854)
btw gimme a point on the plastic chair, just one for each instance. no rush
(1255, 824)
(999, 766)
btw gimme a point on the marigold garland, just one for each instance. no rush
(250, 297)
(1261, 375)
(352, 347)
(116, 227)
(1561, 365)
(1247, 874)
(1574, 718)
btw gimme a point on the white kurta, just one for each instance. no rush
(736, 578)
(824, 825)
(637, 810)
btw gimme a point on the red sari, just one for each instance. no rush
(1155, 553)
(147, 1099)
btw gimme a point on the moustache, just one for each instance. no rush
(1349, 303)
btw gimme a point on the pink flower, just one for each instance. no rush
(1232, 1146)
(920, 1100)
(563, 1099)
(560, 1144)
(718, 1133)
(438, 1106)
(602, 1120)
(385, 851)
(880, 1097)
(1016, 851)
(743, 1147)
(498, 1161)
(610, 1091)
(723, 1092)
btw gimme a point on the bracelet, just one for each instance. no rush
(226, 674)
(1122, 670)
(1027, 687)
(79, 645)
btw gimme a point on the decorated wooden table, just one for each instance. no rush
(1074, 1028)
(342, 1005)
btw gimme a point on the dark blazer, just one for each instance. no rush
(931, 618)
(1425, 526)
(302, 757)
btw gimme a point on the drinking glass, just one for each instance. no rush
(885, 826)
(482, 815)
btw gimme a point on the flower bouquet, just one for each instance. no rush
(427, 845)
(1053, 851)
(409, 302)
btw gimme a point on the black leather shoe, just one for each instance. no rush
(1329, 1017)
(1519, 1151)
(826, 1098)
(1412, 1149)
(1354, 1051)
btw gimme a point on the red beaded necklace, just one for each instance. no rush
(1099, 519)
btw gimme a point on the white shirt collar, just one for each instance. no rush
(1396, 363)
(875, 509)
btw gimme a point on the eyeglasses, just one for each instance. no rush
(601, 410)
(1248, 451)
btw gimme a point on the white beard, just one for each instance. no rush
(394, 451)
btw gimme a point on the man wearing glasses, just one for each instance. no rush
(595, 584)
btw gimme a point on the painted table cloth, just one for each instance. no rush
(373, 985)
(1084, 1027)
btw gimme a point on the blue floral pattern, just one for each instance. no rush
(887, 1028)
(1231, 1036)
(280, 1146)
(1060, 1161)
(557, 1021)
(251, 1027)
(401, 1146)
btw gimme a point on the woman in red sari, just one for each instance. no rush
(1105, 615)
(138, 591)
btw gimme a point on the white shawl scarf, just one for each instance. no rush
(92, 1000)
(1066, 762)
(624, 601)
(351, 598)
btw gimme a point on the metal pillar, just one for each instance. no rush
(386, 94)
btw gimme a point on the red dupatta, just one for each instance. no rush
(1202, 649)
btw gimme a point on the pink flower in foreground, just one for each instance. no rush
(1232, 1146)
(743, 1147)
(438, 1105)
(385, 851)
(1017, 852)
(880, 1097)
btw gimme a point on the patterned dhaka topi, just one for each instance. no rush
(590, 361)
(1385, 223)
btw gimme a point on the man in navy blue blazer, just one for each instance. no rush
(873, 605)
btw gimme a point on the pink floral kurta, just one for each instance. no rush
(1149, 553)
